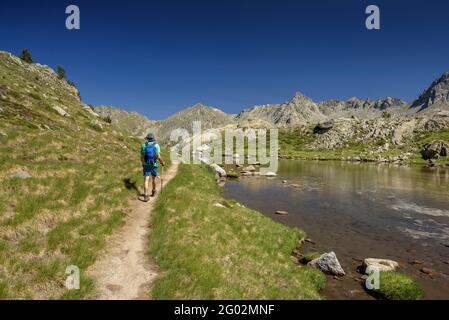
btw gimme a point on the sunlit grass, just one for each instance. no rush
(207, 252)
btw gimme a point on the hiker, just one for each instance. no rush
(150, 153)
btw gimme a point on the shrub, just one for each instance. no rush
(386, 115)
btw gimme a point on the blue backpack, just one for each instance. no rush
(150, 156)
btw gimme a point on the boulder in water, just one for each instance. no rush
(328, 263)
(380, 264)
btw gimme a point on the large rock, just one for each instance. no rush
(218, 170)
(379, 264)
(324, 126)
(328, 263)
(96, 125)
(435, 150)
(22, 174)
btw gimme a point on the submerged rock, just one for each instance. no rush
(281, 212)
(428, 271)
(328, 263)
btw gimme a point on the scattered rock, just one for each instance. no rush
(282, 213)
(22, 174)
(295, 185)
(428, 271)
(249, 168)
(270, 174)
(417, 262)
(310, 241)
(328, 263)
(380, 264)
(219, 205)
(284, 181)
(218, 170)
(96, 125)
(60, 111)
(3, 134)
(446, 262)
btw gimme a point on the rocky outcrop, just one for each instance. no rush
(362, 109)
(328, 263)
(403, 131)
(436, 96)
(435, 150)
(131, 123)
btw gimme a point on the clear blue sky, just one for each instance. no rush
(157, 57)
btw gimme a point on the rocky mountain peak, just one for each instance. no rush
(301, 98)
(436, 95)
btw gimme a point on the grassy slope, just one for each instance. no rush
(76, 196)
(223, 253)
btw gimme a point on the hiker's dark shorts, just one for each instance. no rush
(149, 170)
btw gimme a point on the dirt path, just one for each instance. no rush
(124, 270)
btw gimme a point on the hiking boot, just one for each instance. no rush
(153, 193)
(144, 197)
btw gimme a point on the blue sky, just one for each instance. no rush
(158, 57)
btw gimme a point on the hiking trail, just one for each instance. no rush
(124, 271)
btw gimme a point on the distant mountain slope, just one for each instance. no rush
(300, 110)
(434, 97)
(363, 109)
(132, 123)
(209, 117)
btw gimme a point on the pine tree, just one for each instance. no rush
(26, 56)
(61, 72)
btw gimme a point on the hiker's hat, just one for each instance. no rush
(150, 137)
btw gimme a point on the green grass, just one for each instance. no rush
(397, 286)
(78, 195)
(309, 256)
(207, 252)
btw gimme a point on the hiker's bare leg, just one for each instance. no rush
(154, 184)
(146, 183)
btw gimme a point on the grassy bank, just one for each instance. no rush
(210, 252)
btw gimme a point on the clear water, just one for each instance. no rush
(360, 211)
